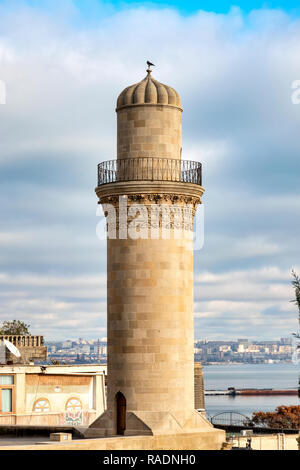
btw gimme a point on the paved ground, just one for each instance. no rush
(13, 440)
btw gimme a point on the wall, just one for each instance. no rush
(32, 385)
(271, 442)
(150, 324)
(199, 386)
(28, 354)
(188, 441)
(30, 347)
(149, 131)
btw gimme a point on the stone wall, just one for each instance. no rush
(149, 131)
(271, 442)
(47, 419)
(30, 347)
(206, 440)
(150, 324)
(199, 386)
(28, 354)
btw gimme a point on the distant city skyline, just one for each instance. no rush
(104, 339)
(241, 350)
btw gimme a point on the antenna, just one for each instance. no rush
(12, 348)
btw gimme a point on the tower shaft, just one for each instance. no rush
(151, 195)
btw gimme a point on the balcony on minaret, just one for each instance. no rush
(149, 169)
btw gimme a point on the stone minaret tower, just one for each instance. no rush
(150, 327)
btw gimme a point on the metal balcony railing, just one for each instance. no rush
(149, 169)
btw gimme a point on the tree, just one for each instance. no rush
(284, 417)
(296, 300)
(15, 327)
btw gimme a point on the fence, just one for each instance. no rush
(149, 169)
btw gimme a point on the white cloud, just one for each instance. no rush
(56, 306)
(63, 75)
(257, 301)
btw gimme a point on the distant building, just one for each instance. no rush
(197, 350)
(86, 349)
(285, 349)
(286, 341)
(51, 395)
(225, 348)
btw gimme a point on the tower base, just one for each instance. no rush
(198, 440)
(192, 426)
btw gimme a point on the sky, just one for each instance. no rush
(63, 64)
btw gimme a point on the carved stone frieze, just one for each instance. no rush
(150, 211)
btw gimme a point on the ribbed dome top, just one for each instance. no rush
(149, 91)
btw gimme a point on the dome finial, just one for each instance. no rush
(148, 92)
(149, 67)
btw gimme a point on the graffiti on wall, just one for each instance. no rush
(74, 418)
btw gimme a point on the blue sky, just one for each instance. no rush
(186, 7)
(190, 7)
(64, 65)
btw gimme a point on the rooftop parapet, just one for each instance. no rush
(30, 347)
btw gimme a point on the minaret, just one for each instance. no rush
(150, 327)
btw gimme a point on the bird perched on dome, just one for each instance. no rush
(150, 64)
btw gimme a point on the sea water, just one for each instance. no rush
(276, 376)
